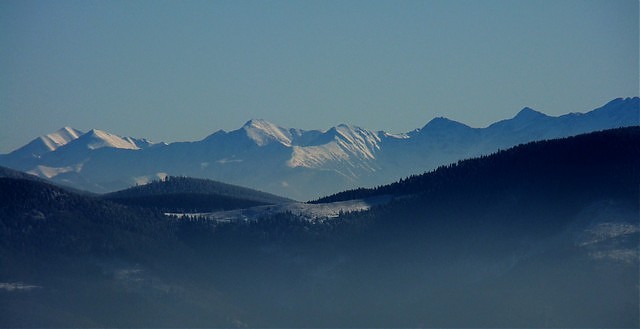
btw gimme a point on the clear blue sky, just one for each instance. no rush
(180, 70)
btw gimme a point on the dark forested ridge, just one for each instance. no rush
(589, 157)
(542, 235)
(185, 194)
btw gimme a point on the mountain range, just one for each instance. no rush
(299, 164)
(544, 234)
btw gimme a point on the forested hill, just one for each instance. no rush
(37, 217)
(599, 157)
(185, 194)
(11, 173)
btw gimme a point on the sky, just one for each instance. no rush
(181, 70)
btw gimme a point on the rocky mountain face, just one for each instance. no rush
(300, 164)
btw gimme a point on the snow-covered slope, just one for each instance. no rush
(263, 132)
(310, 212)
(345, 149)
(60, 137)
(300, 164)
(96, 139)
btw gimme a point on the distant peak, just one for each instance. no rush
(59, 138)
(100, 134)
(262, 132)
(440, 119)
(347, 126)
(218, 133)
(528, 113)
(68, 129)
(258, 123)
(442, 122)
(97, 138)
(621, 100)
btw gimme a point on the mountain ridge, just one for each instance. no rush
(303, 164)
(57, 139)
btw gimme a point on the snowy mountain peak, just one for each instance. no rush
(96, 139)
(47, 143)
(60, 137)
(66, 130)
(257, 123)
(263, 132)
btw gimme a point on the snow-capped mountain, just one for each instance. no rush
(65, 151)
(263, 133)
(47, 143)
(96, 139)
(301, 164)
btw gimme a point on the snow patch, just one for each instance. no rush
(307, 211)
(49, 172)
(396, 136)
(17, 286)
(144, 180)
(227, 160)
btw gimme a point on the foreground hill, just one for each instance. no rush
(542, 235)
(299, 164)
(69, 259)
(184, 194)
